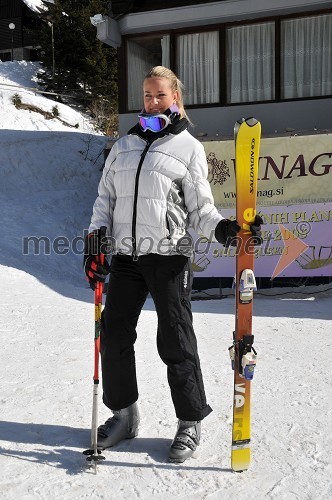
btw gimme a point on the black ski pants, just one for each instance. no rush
(169, 280)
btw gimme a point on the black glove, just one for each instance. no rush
(226, 231)
(94, 270)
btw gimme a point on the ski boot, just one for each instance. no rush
(123, 425)
(186, 440)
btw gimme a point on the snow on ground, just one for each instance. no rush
(49, 176)
(20, 78)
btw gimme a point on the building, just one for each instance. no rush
(18, 22)
(236, 58)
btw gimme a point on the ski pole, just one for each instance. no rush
(93, 452)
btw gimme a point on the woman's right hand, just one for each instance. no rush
(94, 269)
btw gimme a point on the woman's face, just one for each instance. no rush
(158, 95)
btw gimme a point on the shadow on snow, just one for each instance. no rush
(63, 439)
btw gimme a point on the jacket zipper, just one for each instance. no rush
(133, 228)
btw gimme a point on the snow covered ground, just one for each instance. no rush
(49, 175)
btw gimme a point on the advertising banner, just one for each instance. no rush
(295, 199)
(297, 243)
(292, 170)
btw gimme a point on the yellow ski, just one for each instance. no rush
(247, 141)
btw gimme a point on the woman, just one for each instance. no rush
(154, 186)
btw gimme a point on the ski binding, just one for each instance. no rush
(247, 356)
(248, 363)
(247, 286)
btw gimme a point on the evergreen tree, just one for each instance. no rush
(77, 63)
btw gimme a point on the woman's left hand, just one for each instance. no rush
(226, 231)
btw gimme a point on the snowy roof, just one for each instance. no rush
(35, 5)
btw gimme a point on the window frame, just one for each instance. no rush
(222, 29)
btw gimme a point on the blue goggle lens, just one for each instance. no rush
(155, 123)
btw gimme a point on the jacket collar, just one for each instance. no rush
(174, 128)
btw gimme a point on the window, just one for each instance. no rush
(5, 56)
(143, 54)
(250, 63)
(198, 66)
(306, 55)
(282, 58)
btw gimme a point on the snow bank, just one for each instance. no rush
(20, 78)
(50, 173)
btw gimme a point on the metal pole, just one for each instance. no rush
(11, 26)
(53, 57)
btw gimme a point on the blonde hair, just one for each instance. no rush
(176, 85)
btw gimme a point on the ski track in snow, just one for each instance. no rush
(49, 181)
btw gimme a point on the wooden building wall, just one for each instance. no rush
(15, 11)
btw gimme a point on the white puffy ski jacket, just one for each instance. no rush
(151, 192)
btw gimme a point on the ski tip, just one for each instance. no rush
(251, 122)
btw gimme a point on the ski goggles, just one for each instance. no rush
(155, 123)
